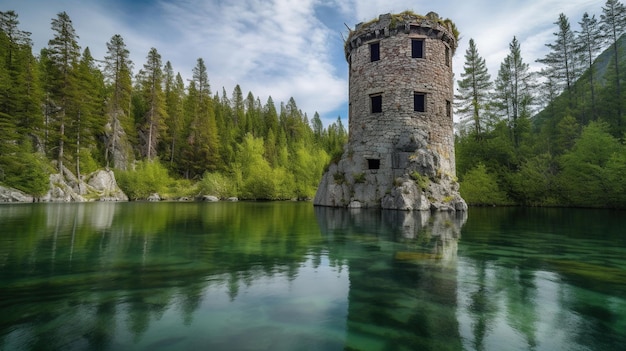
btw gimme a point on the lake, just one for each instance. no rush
(290, 276)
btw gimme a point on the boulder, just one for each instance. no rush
(210, 198)
(154, 197)
(13, 195)
(103, 182)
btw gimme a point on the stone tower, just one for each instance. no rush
(400, 153)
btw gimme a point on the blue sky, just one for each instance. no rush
(286, 48)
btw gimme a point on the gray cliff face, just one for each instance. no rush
(400, 154)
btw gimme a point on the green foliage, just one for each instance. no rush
(147, 178)
(591, 168)
(420, 180)
(339, 177)
(26, 171)
(479, 187)
(534, 184)
(217, 184)
(359, 177)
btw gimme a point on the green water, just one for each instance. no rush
(288, 276)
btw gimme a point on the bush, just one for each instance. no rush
(216, 184)
(148, 177)
(481, 188)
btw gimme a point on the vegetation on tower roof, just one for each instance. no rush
(406, 16)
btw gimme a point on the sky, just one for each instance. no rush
(288, 48)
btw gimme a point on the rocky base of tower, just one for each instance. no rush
(420, 186)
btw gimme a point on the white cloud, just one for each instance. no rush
(276, 48)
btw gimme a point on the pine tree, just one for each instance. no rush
(239, 114)
(613, 25)
(117, 71)
(589, 43)
(63, 53)
(174, 95)
(20, 88)
(474, 89)
(151, 122)
(200, 151)
(561, 59)
(88, 109)
(514, 95)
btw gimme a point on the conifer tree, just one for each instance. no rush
(514, 95)
(200, 152)
(151, 122)
(239, 112)
(63, 53)
(474, 89)
(589, 44)
(562, 57)
(20, 89)
(117, 72)
(174, 95)
(87, 109)
(613, 25)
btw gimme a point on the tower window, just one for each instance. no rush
(373, 163)
(447, 56)
(377, 103)
(417, 48)
(374, 52)
(448, 109)
(419, 102)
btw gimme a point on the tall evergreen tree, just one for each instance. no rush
(174, 95)
(613, 25)
(474, 88)
(201, 152)
(151, 123)
(239, 112)
(89, 98)
(64, 53)
(562, 57)
(20, 89)
(514, 90)
(589, 43)
(117, 71)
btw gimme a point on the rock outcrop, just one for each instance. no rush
(14, 195)
(97, 186)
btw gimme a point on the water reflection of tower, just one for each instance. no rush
(403, 288)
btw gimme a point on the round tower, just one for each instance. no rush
(400, 153)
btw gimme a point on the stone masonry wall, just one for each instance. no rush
(397, 158)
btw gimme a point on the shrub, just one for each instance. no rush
(147, 178)
(216, 184)
(480, 188)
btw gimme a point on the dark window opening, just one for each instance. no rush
(448, 108)
(419, 102)
(373, 163)
(374, 52)
(417, 48)
(447, 56)
(377, 103)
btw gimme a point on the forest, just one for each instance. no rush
(63, 111)
(554, 137)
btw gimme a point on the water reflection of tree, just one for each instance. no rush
(512, 274)
(132, 262)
